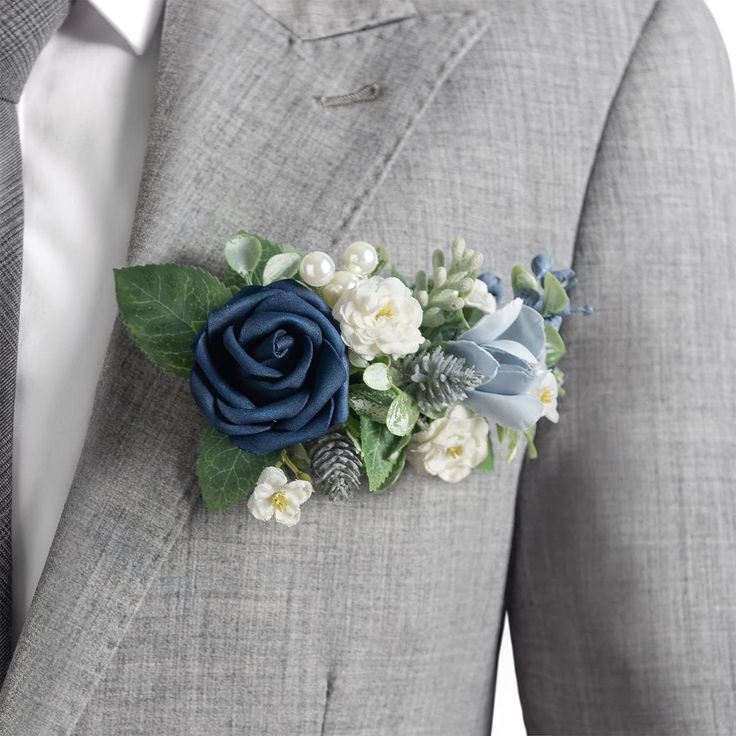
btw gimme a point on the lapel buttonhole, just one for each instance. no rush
(364, 94)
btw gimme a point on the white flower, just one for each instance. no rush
(275, 496)
(379, 316)
(546, 391)
(452, 446)
(480, 298)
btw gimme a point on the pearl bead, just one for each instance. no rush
(341, 282)
(361, 258)
(317, 268)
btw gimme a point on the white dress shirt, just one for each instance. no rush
(84, 117)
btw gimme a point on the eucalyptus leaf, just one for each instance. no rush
(164, 307)
(370, 403)
(522, 279)
(555, 345)
(234, 280)
(402, 415)
(227, 474)
(383, 454)
(243, 253)
(377, 377)
(281, 266)
(555, 296)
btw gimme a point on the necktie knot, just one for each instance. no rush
(25, 27)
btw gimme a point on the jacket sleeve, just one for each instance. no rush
(622, 590)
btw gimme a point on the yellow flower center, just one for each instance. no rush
(455, 451)
(385, 311)
(547, 395)
(280, 501)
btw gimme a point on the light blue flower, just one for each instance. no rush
(508, 347)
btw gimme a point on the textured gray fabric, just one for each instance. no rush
(382, 616)
(11, 259)
(623, 592)
(24, 29)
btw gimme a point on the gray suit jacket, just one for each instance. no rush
(602, 131)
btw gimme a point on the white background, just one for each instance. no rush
(507, 720)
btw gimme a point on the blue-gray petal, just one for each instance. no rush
(527, 329)
(514, 412)
(511, 380)
(492, 326)
(475, 356)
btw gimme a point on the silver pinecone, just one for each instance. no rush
(437, 379)
(336, 466)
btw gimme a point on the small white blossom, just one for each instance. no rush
(547, 391)
(480, 298)
(276, 497)
(451, 446)
(379, 317)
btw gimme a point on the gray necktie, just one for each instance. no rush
(25, 26)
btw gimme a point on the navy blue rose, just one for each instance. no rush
(270, 368)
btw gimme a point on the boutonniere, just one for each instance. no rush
(312, 378)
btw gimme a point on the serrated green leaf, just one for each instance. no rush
(489, 464)
(382, 453)
(368, 402)
(281, 266)
(227, 474)
(402, 415)
(243, 253)
(164, 307)
(555, 345)
(555, 296)
(521, 279)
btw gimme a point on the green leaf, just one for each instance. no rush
(383, 260)
(227, 474)
(281, 266)
(402, 415)
(243, 253)
(164, 308)
(489, 464)
(383, 454)
(269, 251)
(368, 402)
(521, 279)
(514, 436)
(531, 448)
(352, 428)
(555, 345)
(555, 296)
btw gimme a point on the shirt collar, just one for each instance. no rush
(134, 20)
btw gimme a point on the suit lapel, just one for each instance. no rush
(237, 140)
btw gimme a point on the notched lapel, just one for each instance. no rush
(237, 140)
